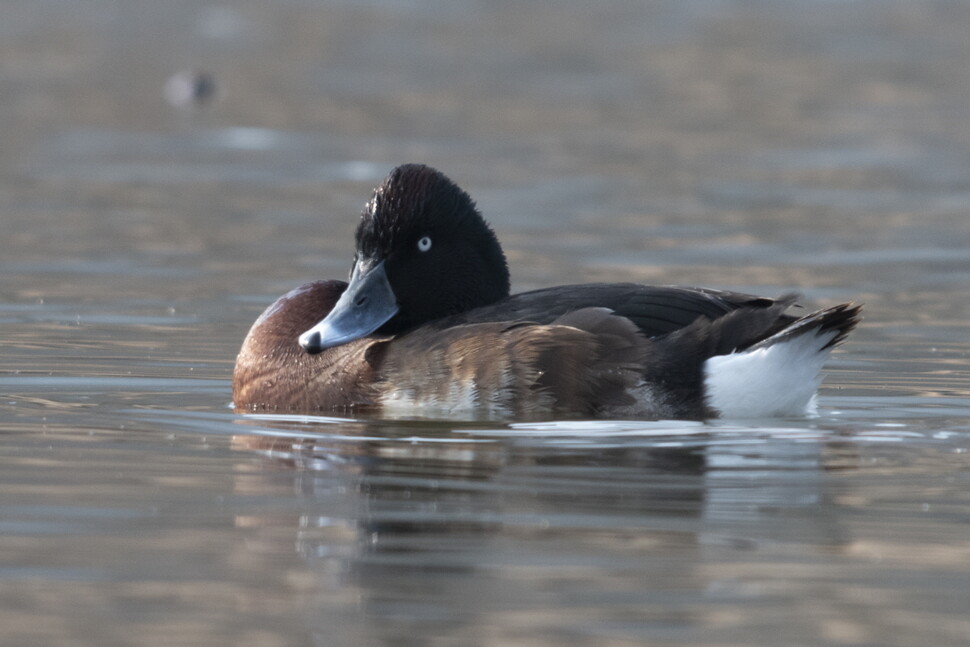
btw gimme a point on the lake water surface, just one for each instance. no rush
(819, 146)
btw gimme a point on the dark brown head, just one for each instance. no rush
(423, 252)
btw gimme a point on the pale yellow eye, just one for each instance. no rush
(424, 244)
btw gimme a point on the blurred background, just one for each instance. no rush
(789, 141)
(167, 169)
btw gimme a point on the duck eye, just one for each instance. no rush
(424, 244)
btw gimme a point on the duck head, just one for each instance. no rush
(423, 251)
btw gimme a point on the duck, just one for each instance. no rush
(427, 326)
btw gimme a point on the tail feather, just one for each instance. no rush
(842, 319)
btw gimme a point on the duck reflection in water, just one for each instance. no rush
(413, 525)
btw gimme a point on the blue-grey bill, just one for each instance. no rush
(366, 304)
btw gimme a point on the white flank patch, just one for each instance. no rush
(462, 398)
(780, 380)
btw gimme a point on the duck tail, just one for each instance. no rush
(780, 374)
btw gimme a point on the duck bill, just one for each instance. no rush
(366, 304)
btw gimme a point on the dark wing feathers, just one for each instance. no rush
(662, 310)
(655, 310)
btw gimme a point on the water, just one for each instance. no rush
(817, 146)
